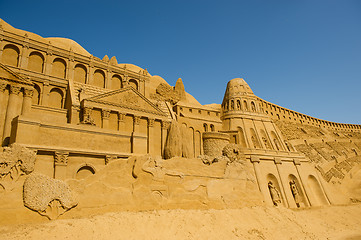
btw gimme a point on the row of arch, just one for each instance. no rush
(239, 105)
(273, 144)
(314, 196)
(36, 63)
(211, 127)
(304, 118)
(55, 100)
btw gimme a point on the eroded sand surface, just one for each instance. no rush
(336, 222)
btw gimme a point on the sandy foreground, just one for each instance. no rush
(335, 222)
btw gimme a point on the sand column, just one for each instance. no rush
(11, 111)
(278, 163)
(105, 118)
(150, 136)
(121, 121)
(165, 126)
(262, 185)
(60, 164)
(27, 101)
(2, 104)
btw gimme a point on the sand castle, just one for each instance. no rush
(83, 135)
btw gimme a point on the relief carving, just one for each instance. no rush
(49, 197)
(15, 161)
(61, 158)
(87, 118)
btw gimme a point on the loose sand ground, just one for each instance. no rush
(336, 222)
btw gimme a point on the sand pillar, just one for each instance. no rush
(11, 112)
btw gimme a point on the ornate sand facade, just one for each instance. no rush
(80, 114)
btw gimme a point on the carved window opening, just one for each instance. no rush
(80, 73)
(11, 55)
(133, 83)
(36, 95)
(59, 68)
(84, 172)
(253, 107)
(205, 127)
(56, 98)
(238, 104)
(99, 78)
(36, 62)
(116, 82)
(212, 128)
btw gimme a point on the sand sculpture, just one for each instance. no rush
(118, 138)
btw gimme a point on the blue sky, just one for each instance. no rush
(303, 55)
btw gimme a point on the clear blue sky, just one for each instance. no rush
(303, 55)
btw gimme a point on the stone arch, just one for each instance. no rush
(253, 106)
(133, 83)
(300, 199)
(59, 68)
(205, 127)
(242, 139)
(56, 98)
(116, 82)
(99, 78)
(265, 140)
(84, 171)
(80, 73)
(245, 105)
(318, 197)
(272, 178)
(11, 55)
(254, 139)
(36, 95)
(36, 62)
(276, 141)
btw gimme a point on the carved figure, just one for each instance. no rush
(15, 161)
(49, 197)
(295, 192)
(155, 167)
(275, 194)
(232, 151)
